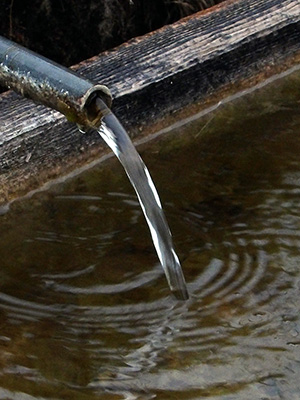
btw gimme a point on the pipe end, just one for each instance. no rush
(93, 109)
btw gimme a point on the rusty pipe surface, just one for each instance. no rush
(50, 84)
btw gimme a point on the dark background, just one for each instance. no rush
(69, 31)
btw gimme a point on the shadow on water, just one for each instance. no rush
(84, 311)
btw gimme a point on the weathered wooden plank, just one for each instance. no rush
(149, 77)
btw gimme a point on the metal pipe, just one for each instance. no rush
(50, 84)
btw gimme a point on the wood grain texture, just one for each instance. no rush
(149, 77)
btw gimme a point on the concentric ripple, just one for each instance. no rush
(85, 309)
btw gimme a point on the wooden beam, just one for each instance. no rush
(149, 77)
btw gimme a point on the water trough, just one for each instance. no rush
(197, 59)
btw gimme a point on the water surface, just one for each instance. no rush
(85, 311)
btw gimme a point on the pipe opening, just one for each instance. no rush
(96, 105)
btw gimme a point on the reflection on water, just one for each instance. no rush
(84, 312)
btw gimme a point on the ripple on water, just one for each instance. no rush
(85, 310)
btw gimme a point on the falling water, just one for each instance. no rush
(118, 140)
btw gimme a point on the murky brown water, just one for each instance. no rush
(85, 311)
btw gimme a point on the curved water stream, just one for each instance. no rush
(84, 312)
(118, 140)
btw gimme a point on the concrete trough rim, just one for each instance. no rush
(151, 77)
